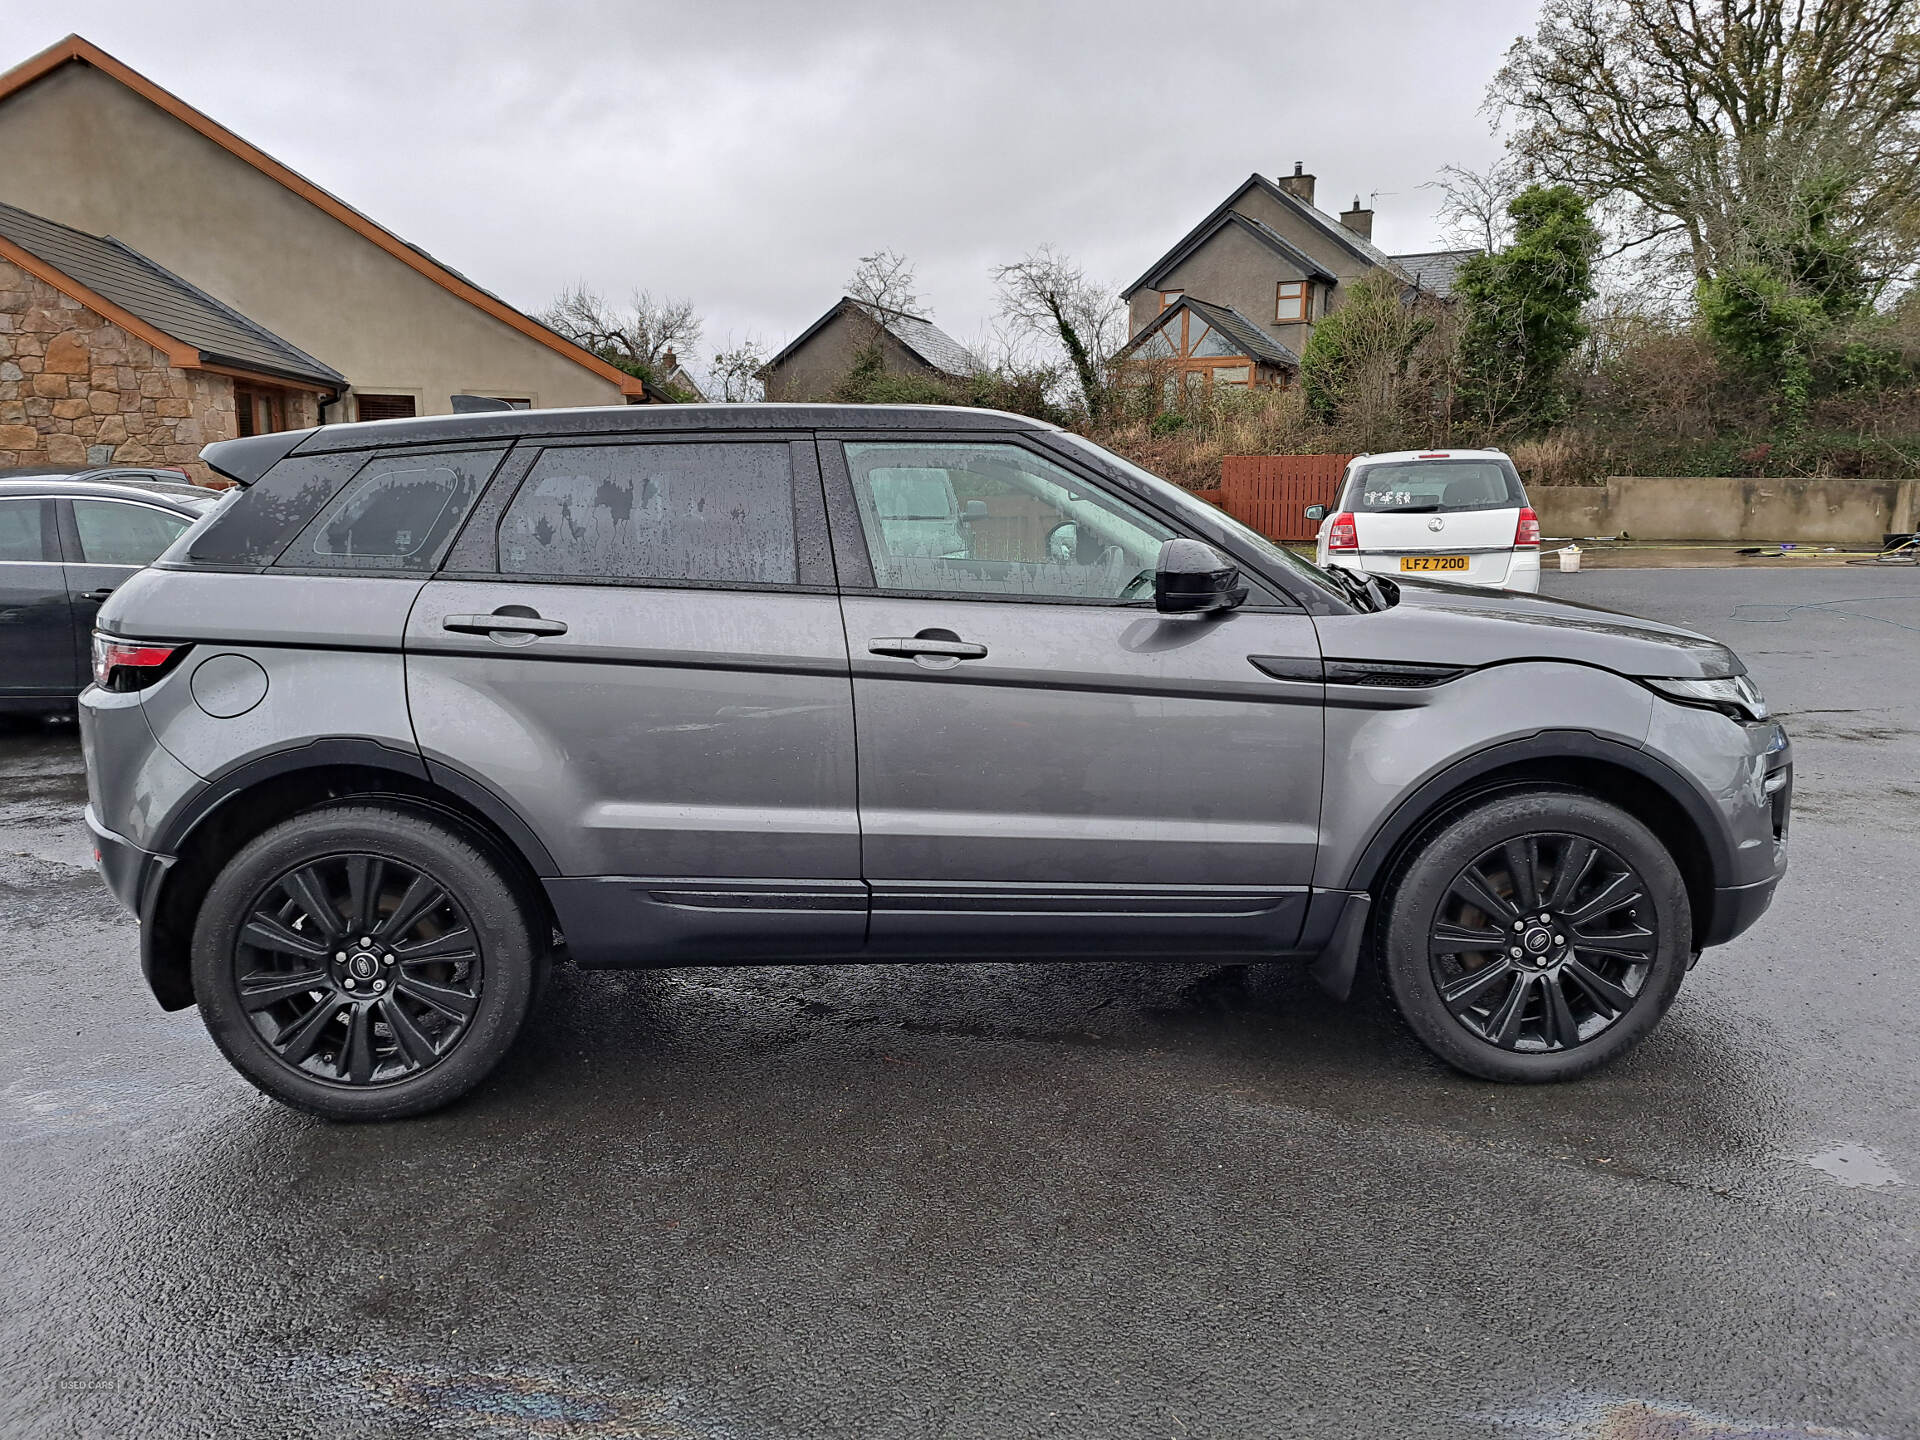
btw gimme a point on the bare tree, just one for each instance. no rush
(635, 339)
(735, 375)
(885, 279)
(1473, 204)
(1722, 117)
(1048, 297)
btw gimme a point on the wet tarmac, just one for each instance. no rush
(1048, 1200)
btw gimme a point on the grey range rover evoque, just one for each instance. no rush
(422, 702)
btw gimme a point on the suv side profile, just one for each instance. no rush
(424, 701)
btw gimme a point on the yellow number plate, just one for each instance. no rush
(1433, 562)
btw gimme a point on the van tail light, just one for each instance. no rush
(1341, 534)
(1527, 532)
(131, 664)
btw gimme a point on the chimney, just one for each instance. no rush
(1359, 221)
(670, 364)
(1299, 184)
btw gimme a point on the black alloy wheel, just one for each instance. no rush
(1534, 936)
(1539, 944)
(367, 961)
(358, 969)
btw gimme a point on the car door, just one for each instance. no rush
(1047, 763)
(36, 624)
(108, 539)
(644, 659)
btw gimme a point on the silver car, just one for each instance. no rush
(425, 702)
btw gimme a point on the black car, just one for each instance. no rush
(66, 542)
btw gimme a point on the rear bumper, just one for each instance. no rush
(123, 864)
(1520, 570)
(134, 876)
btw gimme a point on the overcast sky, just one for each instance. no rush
(744, 155)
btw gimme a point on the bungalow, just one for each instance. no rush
(823, 354)
(211, 240)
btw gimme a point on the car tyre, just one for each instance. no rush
(350, 1031)
(1592, 924)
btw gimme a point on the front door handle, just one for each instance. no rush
(911, 647)
(491, 624)
(102, 593)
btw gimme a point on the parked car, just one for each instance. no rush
(1454, 515)
(66, 541)
(692, 685)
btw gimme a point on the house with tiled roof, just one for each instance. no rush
(219, 251)
(1233, 302)
(823, 354)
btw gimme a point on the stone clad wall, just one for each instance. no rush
(76, 389)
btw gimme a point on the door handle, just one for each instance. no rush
(909, 647)
(517, 624)
(102, 593)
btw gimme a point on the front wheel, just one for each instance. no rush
(1536, 937)
(364, 963)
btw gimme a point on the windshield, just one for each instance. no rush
(1423, 486)
(1208, 515)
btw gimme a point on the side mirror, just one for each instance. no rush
(1316, 513)
(1193, 578)
(974, 510)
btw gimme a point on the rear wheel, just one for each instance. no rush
(364, 963)
(1536, 937)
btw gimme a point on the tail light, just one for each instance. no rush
(1341, 534)
(1527, 532)
(130, 664)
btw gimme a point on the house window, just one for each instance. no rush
(1291, 301)
(258, 411)
(385, 407)
(1170, 297)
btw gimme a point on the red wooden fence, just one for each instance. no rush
(1271, 492)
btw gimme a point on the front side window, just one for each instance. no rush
(997, 520)
(1291, 300)
(715, 513)
(117, 532)
(20, 532)
(399, 513)
(1424, 486)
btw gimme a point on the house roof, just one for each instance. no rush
(1436, 270)
(1212, 226)
(1355, 245)
(1254, 342)
(920, 335)
(74, 50)
(102, 268)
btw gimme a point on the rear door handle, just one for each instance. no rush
(909, 647)
(490, 624)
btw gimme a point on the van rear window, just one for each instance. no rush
(1422, 486)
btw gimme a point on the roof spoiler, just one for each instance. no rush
(245, 460)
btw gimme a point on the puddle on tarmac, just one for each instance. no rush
(1854, 1166)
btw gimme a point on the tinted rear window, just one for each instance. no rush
(20, 530)
(399, 513)
(1421, 486)
(254, 526)
(719, 513)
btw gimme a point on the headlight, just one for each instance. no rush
(1736, 696)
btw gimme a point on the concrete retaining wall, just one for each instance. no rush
(1760, 511)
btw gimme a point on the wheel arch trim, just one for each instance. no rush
(1459, 778)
